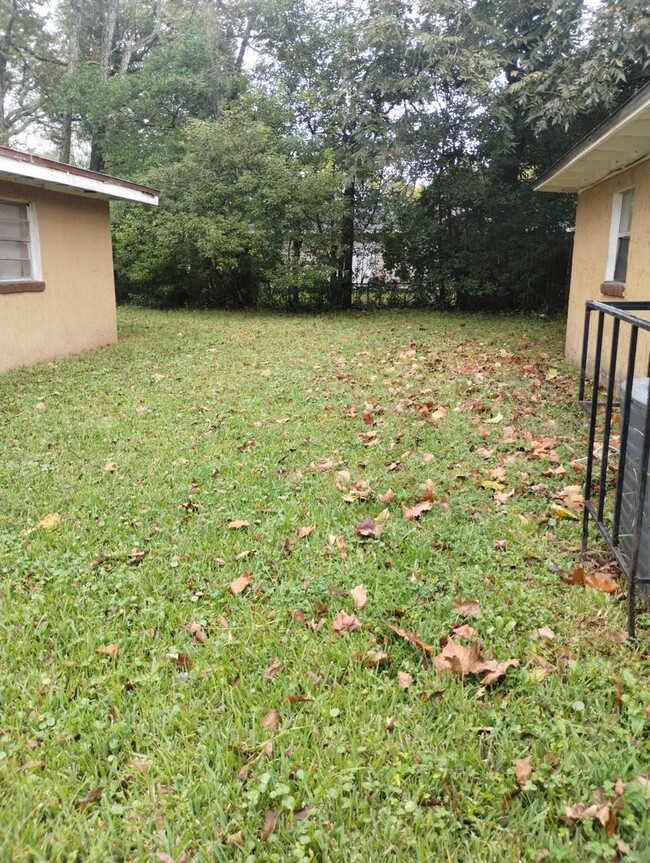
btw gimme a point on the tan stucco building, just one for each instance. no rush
(610, 171)
(57, 292)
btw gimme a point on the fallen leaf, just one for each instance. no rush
(413, 512)
(196, 631)
(93, 795)
(235, 838)
(523, 771)
(344, 622)
(305, 531)
(297, 699)
(269, 823)
(375, 657)
(274, 668)
(238, 525)
(110, 467)
(239, 584)
(368, 528)
(108, 649)
(545, 632)
(463, 660)
(388, 496)
(359, 597)
(467, 608)
(50, 520)
(497, 670)
(404, 680)
(271, 720)
(463, 630)
(601, 581)
(563, 512)
(266, 373)
(577, 576)
(164, 857)
(411, 637)
(182, 660)
(303, 812)
(500, 544)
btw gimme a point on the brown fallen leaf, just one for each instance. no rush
(577, 576)
(414, 512)
(297, 699)
(359, 597)
(497, 670)
(601, 581)
(388, 496)
(182, 660)
(305, 531)
(463, 630)
(271, 720)
(110, 467)
(269, 823)
(344, 622)
(523, 770)
(239, 524)
(563, 512)
(52, 519)
(93, 795)
(411, 637)
(196, 631)
(274, 668)
(368, 528)
(239, 584)
(404, 680)
(235, 838)
(375, 658)
(545, 632)
(467, 607)
(108, 649)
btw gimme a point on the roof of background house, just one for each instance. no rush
(59, 177)
(617, 143)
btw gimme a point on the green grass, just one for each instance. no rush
(166, 744)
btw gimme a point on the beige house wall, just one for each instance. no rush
(76, 311)
(590, 253)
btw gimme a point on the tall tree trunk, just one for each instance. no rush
(347, 242)
(73, 63)
(5, 46)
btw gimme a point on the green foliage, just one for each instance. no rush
(230, 207)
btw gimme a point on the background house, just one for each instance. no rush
(610, 171)
(57, 293)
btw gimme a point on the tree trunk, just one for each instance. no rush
(73, 63)
(5, 46)
(347, 242)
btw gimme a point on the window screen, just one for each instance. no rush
(15, 257)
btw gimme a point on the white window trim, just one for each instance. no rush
(36, 267)
(614, 232)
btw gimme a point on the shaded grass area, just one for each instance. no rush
(149, 449)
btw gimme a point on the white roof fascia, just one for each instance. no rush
(62, 180)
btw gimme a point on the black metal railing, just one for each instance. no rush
(621, 314)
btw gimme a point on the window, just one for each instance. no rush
(619, 241)
(19, 253)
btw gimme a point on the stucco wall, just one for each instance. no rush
(590, 251)
(76, 311)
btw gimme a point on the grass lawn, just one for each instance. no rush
(147, 713)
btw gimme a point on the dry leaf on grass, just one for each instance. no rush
(412, 637)
(404, 680)
(463, 660)
(563, 512)
(271, 720)
(344, 622)
(93, 795)
(463, 630)
(523, 771)
(369, 528)
(545, 632)
(388, 496)
(109, 650)
(52, 519)
(413, 512)
(359, 597)
(270, 821)
(467, 607)
(240, 584)
(273, 669)
(601, 581)
(305, 531)
(238, 524)
(196, 631)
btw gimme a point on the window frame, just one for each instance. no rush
(34, 282)
(616, 235)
